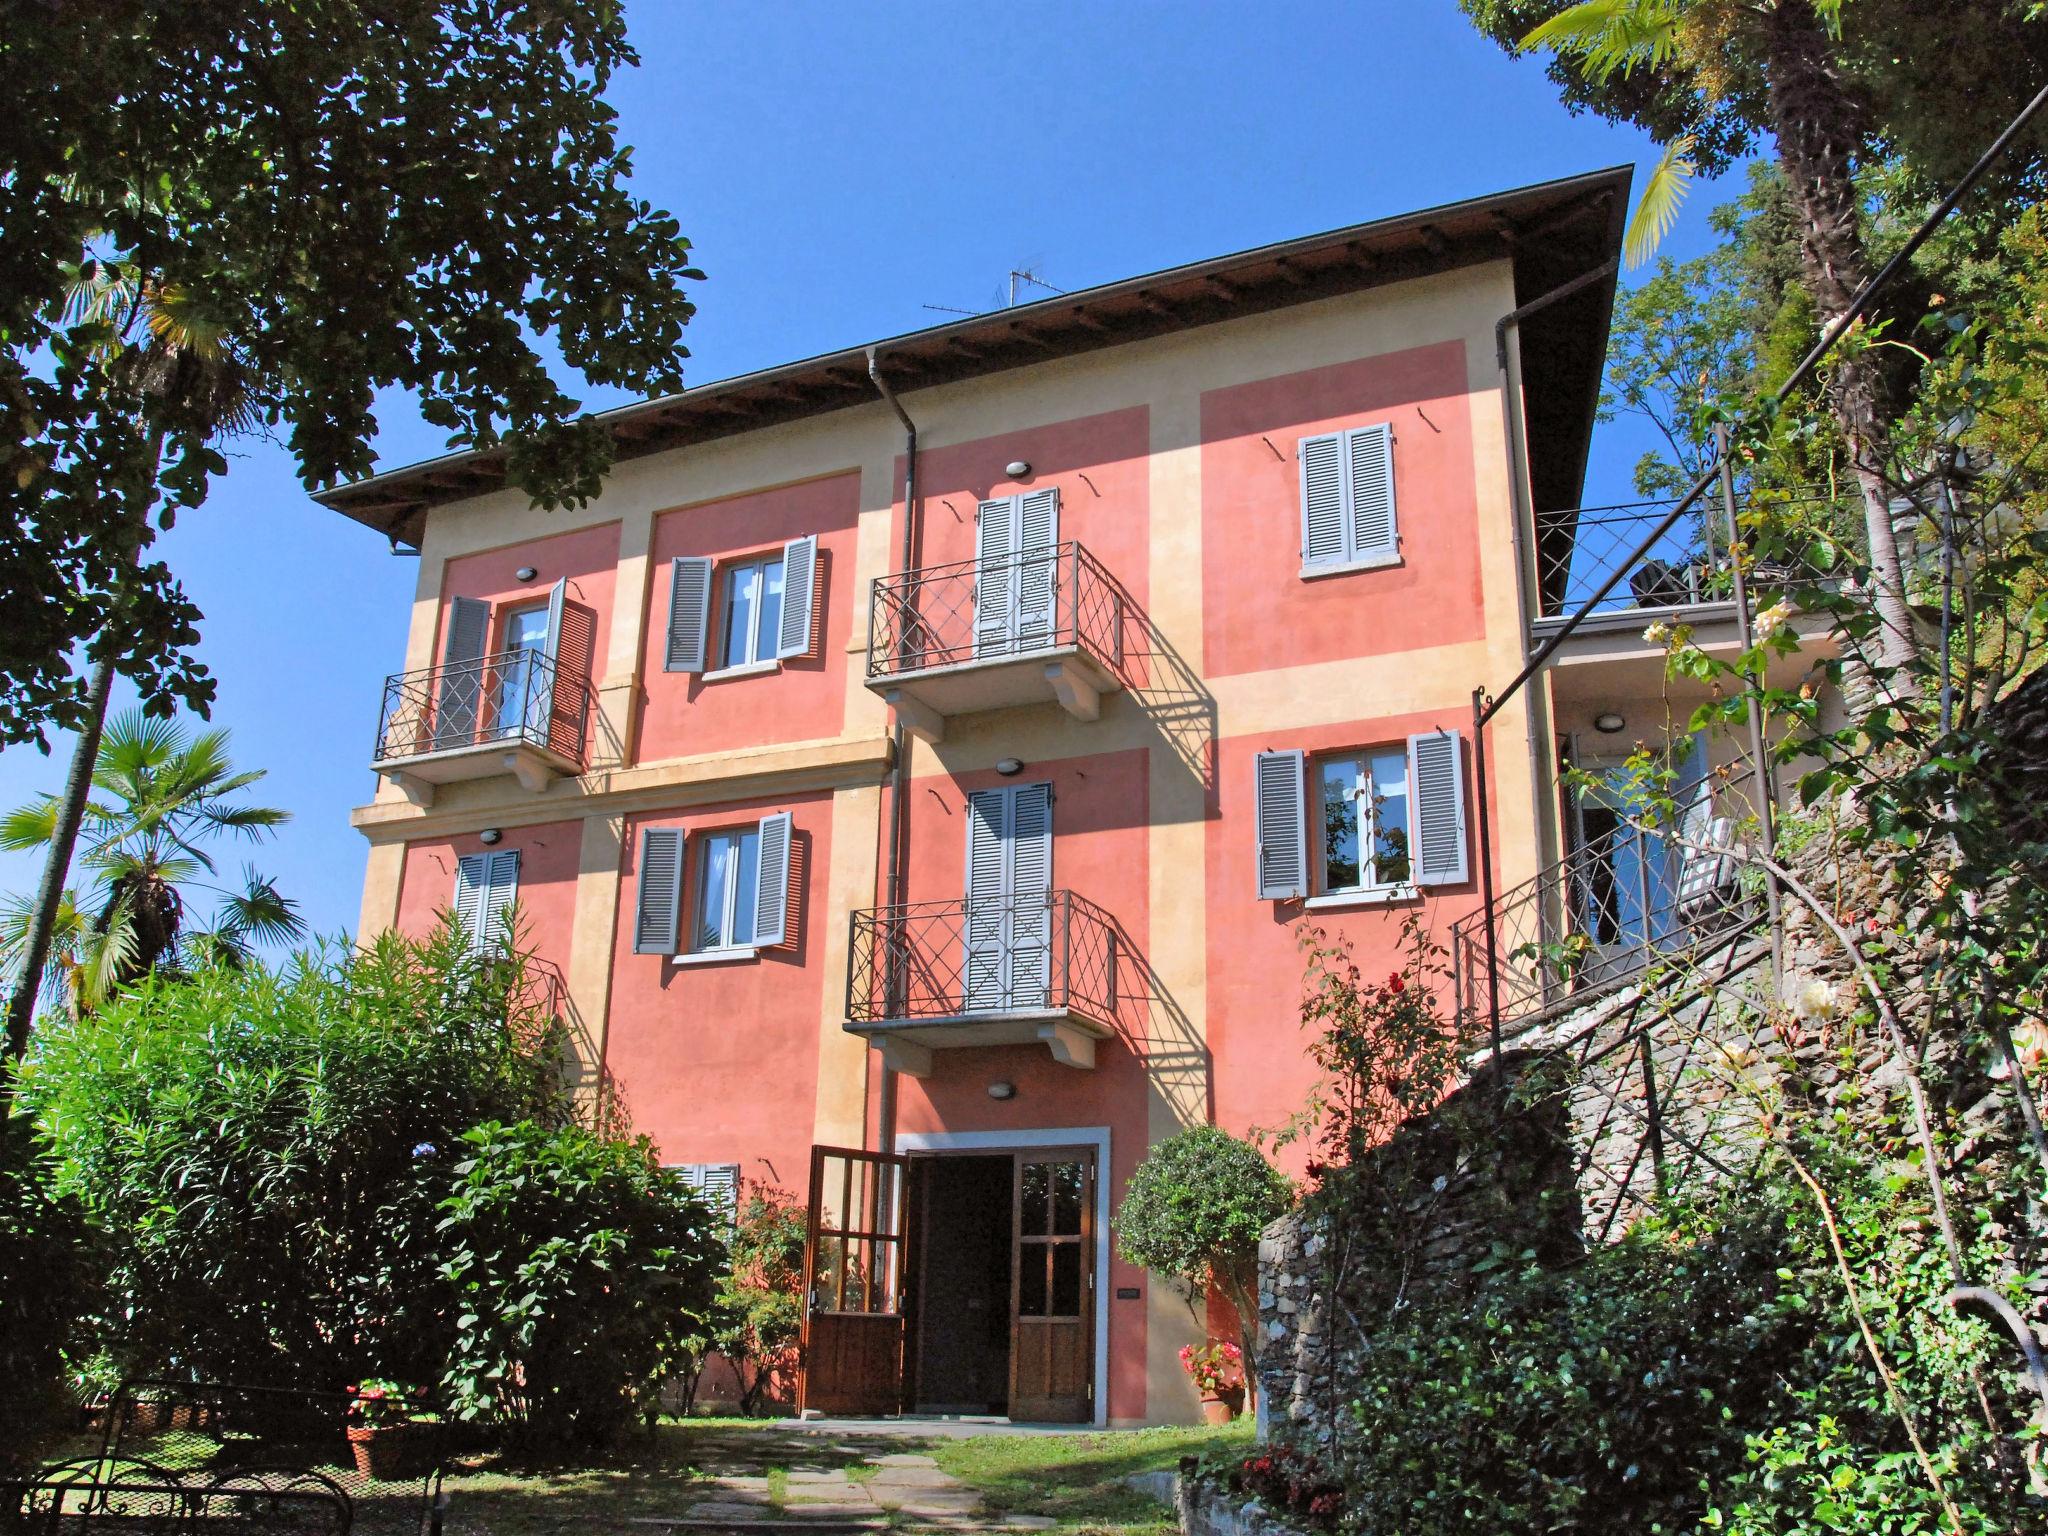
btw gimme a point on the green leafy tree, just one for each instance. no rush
(581, 1271)
(1193, 1212)
(263, 1151)
(760, 1311)
(45, 1285)
(426, 195)
(163, 795)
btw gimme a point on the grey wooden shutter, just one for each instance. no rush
(1436, 785)
(1370, 466)
(1322, 498)
(982, 962)
(1030, 896)
(995, 575)
(462, 676)
(472, 882)
(499, 896)
(717, 1183)
(689, 613)
(771, 887)
(1280, 809)
(1038, 585)
(799, 596)
(657, 908)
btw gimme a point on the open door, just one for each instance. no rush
(1052, 1297)
(853, 1284)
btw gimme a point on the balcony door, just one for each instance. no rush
(1007, 967)
(1016, 573)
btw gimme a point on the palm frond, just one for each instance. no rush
(260, 911)
(1663, 194)
(1612, 36)
(29, 826)
(102, 958)
(250, 821)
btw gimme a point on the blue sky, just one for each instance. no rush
(839, 167)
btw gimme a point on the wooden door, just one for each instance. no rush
(852, 1355)
(1052, 1288)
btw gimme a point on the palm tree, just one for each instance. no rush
(161, 796)
(1819, 129)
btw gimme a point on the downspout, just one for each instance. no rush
(1523, 519)
(899, 755)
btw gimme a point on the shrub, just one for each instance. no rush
(43, 1288)
(1194, 1210)
(760, 1310)
(580, 1269)
(263, 1152)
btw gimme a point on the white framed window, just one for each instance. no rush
(726, 891)
(1366, 822)
(752, 622)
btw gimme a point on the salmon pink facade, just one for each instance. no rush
(921, 763)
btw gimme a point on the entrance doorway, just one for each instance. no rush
(952, 1282)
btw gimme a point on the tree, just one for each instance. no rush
(760, 1310)
(1193, 1212)
(1836, 86)
(423, 194)
(164, 794)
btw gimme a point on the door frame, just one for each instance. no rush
(1091, 1137)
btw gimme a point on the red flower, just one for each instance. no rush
(1395, 984)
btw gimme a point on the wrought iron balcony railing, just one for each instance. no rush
(513, 698)
(1053, 597)
(1578, 549)
(1662, 878)
(1054, 953)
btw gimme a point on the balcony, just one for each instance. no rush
(1044, 626)
(1023, 970)
(511, 713)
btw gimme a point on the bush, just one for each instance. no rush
(581, 1271)
(263, 1152)
(44, 1285)
(1194, 1210)
(760, 1310)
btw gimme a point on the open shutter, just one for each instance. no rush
(1371, 455)
(1436, 778)
(1030, 893)
(462, 675)
(995, 574)
(658, 907)
(689, 613)
(1038, 584)
(771, 889)
(1280, 794)
(799, 596)
(982, 964)
(1322, 498)
(472, 882)
(717, 1183)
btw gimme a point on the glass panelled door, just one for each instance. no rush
(523, 698)
(1628, 869)
(853, 1283)
(1052, 1317)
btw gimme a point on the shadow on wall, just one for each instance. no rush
(1166, 688)
(1155, 1028)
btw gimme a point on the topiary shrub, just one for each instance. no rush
(1193, 1212)
(582, 1272)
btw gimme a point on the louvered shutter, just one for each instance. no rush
(462, 676)
(689, 613)
(502, 872)
(1322, 499)
(799, 596)
(472, 883)
(982, 962)
(1370, 451)
(717, 1183)
(1030, 896)
(995, 575)
(657, 910)
(771, 888)
(1280, 808)
(1038, 585)
(1436, 782)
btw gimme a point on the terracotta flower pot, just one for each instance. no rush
(386, 1452)
(1223, 1405)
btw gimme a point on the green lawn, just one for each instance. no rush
(1079, 1479)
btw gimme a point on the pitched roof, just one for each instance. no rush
(1554, 231)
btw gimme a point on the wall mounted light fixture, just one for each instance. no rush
(490, 837)
(1009, 767)
(526, 573)
(1016, 469)
(1607, 723)
(1002, 1090)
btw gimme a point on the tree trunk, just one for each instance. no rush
(1816, 125)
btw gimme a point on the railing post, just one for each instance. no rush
(1486, 892)
(1759, 747)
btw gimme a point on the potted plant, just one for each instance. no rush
(383, 1429)
(1217, 1368)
